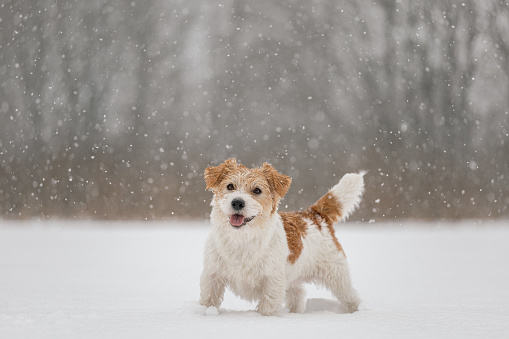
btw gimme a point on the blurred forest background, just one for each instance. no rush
(111, 109)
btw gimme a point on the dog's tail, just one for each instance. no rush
(342, 199)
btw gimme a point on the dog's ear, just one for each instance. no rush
(279, 183)
(214, 175)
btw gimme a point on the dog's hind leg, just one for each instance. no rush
(337, 279)
(295, 298)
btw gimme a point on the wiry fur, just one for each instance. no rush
(275, 253)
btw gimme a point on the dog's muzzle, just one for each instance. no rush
(237, 220)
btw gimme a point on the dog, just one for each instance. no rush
(264, 255)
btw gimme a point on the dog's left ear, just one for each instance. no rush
(279, 183)
(214, 175)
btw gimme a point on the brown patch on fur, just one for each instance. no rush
(329, 209)
(295, 225)
(295, 229)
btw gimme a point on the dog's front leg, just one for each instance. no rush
(272, 294)
(212, 283)
(212, 288)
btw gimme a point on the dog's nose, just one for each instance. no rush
(238, 204)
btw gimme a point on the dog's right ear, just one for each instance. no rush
(215, 175)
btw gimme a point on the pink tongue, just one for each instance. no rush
(236, 219)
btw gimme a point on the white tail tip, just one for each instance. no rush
(349, 192)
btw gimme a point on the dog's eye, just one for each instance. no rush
(230, 187)
(257, 191)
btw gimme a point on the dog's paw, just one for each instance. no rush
(352, 306)
(212, 311)
(268, 313)
(192, 307)
(298, 307)
(267, 309)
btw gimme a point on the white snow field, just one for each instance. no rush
(141, 280)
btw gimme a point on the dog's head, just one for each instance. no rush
(244, 194)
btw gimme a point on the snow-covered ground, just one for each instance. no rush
(141, 280)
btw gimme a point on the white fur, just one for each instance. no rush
(349, 192)
(252, 260)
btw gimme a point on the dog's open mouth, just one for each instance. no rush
(237, 220)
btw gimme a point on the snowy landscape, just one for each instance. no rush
(64, 279)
